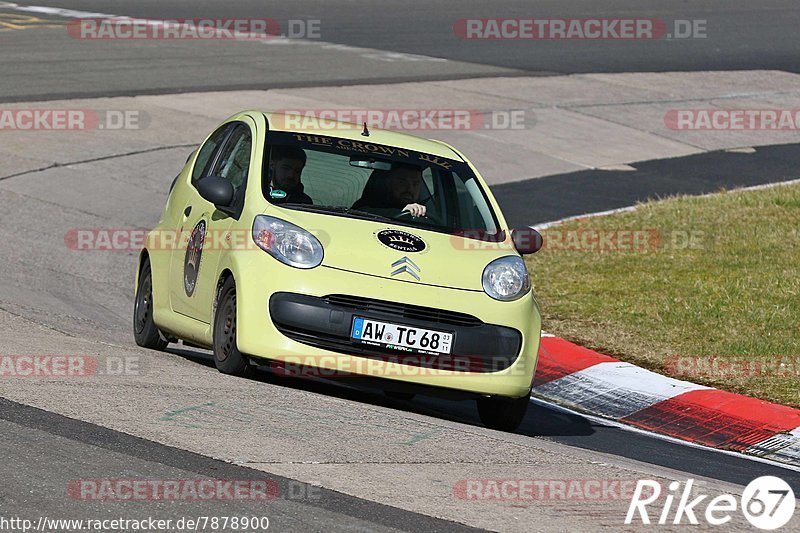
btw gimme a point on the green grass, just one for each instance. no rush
(732, 292)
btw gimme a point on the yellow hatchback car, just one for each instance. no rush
(344, 251)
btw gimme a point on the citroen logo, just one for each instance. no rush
(405, 264)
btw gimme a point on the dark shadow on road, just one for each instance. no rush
(542, 421)
(538, 200)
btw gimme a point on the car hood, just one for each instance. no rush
(400, 253)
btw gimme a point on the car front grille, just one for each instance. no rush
(326, 322)
(413, 312)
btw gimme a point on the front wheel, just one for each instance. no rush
(145, 331)
(227, 357)
(503, 414)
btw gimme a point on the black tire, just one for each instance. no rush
(145, 331)
(399, 395)
(227, 357)
(503, 414)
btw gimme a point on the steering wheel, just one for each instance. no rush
(425, 218)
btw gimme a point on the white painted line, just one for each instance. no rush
(620, 168)
(619, 425)
(764, 186)
(783, 447)
(382, 55)
(614, 389)
(546, 225)
(366, 53)
(69, 13)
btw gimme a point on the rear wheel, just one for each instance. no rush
(503, 414)
(145, 331)
(227, 357)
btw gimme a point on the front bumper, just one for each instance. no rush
(296, 317)
(327, 322)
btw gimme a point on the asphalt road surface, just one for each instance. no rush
(382, 464)
(360, 41)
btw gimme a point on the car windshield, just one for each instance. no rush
(361, 179)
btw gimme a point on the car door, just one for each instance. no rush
(205, 229)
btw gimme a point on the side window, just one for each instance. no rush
(204, 157)
(428, 193)
(471, 214)
(234, 159)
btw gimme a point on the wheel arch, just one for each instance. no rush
(159, 272)
(224, 275)
(144, 255)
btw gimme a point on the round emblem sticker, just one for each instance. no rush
(277, 194)
(194, 251)
(401, 240)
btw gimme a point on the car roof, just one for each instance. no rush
(348, 130)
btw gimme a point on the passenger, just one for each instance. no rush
(392, 192)
(285, 170)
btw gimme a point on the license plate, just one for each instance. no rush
(406, 338)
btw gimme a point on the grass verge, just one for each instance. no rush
(705, 289)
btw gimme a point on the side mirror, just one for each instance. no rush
(216, 190)
(527, 240)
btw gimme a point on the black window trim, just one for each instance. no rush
(236, 211)
(458, 159)
(226, 129)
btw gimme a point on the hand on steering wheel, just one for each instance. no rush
(415, 210)
(426, 215)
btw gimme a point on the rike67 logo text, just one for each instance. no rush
(767, 503)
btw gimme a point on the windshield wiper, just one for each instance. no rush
(339, 210)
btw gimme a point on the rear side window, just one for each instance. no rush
(204, 157)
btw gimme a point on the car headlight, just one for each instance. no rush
(289, 244)
(506, 278)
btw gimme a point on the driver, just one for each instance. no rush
(392, 192)
(285, 170)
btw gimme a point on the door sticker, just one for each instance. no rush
(194, 251)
